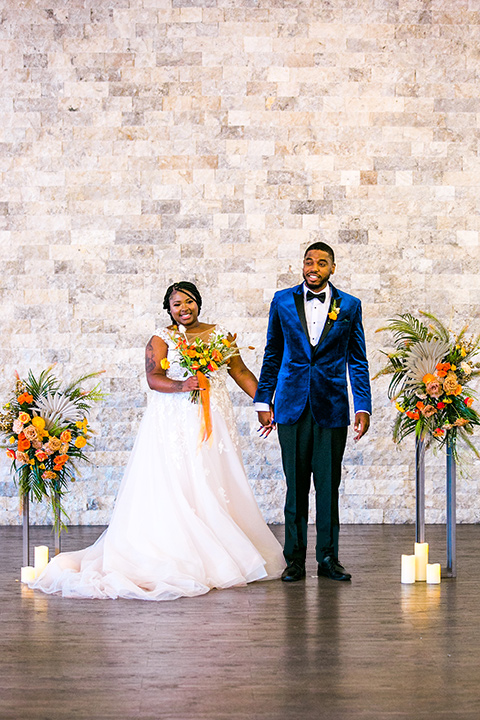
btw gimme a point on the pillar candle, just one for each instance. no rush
(41, 559)
(408, 569)
(434, 573)
(27, 574)
(421, 560)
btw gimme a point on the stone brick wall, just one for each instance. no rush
(145, 141)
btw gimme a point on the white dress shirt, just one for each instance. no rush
(316, 313)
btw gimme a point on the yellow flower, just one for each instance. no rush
(11, 440)
(80, 442)
(202, 361)
(333, 315)
(38, 422)
(24, 417)
(399, 407)
(226, 342)
(164, 364)
(463, 352)
(454, 367)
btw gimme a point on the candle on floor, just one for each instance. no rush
(421, 560)
(434, 573)
(27, 574)
(408, 569)
(41, 559)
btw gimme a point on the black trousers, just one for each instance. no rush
(308, 449)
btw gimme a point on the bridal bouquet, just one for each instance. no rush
(45, 431)
(431, 368)
(202, 357)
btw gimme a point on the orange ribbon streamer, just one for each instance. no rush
(205, 410)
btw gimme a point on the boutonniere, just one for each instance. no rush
(334, 311)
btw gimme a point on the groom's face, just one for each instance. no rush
(317, 268)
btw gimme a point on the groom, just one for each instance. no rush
(315, 333)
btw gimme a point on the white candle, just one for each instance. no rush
(408, 569)
(41, 559)
(421, 560)
(27, 574)
(434, 573)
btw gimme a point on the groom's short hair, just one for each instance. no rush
(321, 246)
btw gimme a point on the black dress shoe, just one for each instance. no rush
(293, 572)
(331, 568)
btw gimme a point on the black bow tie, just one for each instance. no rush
(312, 296)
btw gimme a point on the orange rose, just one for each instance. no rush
(41, 456)
(468, 401)
(23, 444)
(442, 369)
(11, 454)
(24, 417)
(66, 436)
(428, 378)
(413, 415)
(25, 398)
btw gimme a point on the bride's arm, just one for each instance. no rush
(244, 377)
(155, 352)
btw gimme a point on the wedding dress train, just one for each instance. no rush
(185, 519)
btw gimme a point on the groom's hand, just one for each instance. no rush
(267, 422)
(362, 423)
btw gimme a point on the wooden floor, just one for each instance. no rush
(371, 649)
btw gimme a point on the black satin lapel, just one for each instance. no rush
(299, 302)
(329, 324)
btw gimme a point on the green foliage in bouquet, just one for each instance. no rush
(431, 368)
(46, 431)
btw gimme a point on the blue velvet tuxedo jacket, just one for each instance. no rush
(296, 372)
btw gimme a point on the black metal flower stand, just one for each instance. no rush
(450, 571)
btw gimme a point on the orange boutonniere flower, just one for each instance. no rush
(334, 311)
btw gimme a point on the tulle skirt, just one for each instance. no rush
(185, 520)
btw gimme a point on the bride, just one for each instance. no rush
(185, 519)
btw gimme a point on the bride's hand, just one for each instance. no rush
(191, 383)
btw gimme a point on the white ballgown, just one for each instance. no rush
(185, 519)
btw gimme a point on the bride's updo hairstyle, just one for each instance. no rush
(185, 287)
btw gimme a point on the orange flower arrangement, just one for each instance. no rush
(46, 429)
(431, 368)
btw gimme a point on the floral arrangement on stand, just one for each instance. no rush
(46, 432)
(431, 368)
